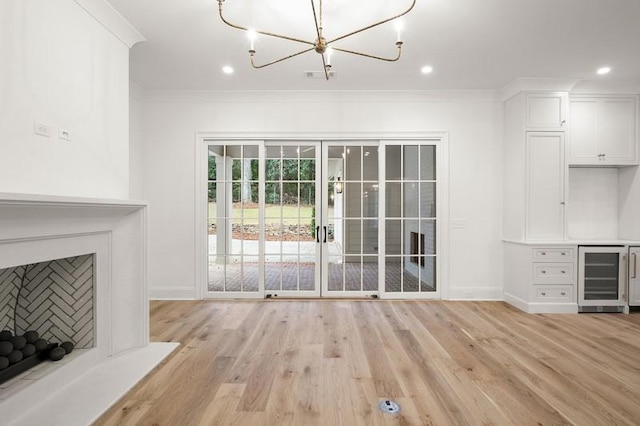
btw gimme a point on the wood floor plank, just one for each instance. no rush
(321, 362)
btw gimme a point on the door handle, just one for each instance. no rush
(325, 234)
(317, 234)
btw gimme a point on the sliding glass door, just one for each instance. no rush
(322, 219)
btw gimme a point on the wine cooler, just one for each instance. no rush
(602, 278)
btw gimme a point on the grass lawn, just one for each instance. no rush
(273, 213)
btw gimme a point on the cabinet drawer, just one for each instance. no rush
(553, 273)
(554, 254)
(553, 293)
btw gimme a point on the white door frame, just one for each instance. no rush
(440, 139)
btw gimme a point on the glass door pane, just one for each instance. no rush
(291, 245)
(233, 220)
(410, 224)
(351, 211)
(601, 280)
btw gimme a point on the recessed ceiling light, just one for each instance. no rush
(426, 69)
(603, 70)
(227, 69)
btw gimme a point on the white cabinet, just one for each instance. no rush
(545, 180)
(540, 279)
(546, 111)
(602, 131)
(534, 167)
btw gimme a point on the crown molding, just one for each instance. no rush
(314, 96)
(112, 20)
(607, 87)
(537, 85)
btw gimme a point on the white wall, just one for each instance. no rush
(474, 122)
(61, 67)
(136, 190)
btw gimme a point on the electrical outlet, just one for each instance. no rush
(64, 135)
(42, 130)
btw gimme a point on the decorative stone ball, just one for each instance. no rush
(40, 345)
(5, 335)
(56, 354)
(4, 362)
(31, 336)
(5, 348)
(28, 350)
(18, 342)
(67, 346)
(15, 356)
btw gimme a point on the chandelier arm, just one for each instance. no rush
(315, 18)
(325, 67)
(366, 55)
(239, 27)
(277, 60)
(373, 25)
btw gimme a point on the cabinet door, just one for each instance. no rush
(602, 131)
(545, 186)
(546, 111)
(583, 138)
(617, 131)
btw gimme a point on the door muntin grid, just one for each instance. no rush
(352, 259)
(233, 218)
(410, 256)
(291, 248)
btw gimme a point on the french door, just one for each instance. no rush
(322, 219)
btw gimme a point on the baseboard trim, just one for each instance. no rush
(172, 293)
(540, 308)
(475, 293)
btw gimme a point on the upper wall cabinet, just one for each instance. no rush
(602, 131)
(546, 111)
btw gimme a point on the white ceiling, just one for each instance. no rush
(471, 44)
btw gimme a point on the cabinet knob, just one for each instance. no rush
(543, 293)
(543, 271)
(543, 253)
(563, 272)
(563, 253)
(563, 293)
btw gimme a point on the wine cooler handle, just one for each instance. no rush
(635, 265)
(317, 234)
(325, 234)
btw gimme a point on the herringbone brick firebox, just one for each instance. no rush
(54, 298)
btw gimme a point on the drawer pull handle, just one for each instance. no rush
(543, 293)
(543, 253)
(563, 271)
(563, 293)
(563, 253)
(543, 271)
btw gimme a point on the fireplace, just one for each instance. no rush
(50, 303)
(42, 238)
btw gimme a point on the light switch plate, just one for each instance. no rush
(42, 129)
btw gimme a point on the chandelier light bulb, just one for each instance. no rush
(603, 70)
(252, 35)
(329, 54)
(399, 27)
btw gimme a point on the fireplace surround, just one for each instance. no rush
(39, 229)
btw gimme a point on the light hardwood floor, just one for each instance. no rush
(331, 362)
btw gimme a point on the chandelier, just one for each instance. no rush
(320, 45)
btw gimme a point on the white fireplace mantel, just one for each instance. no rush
(37, 228)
